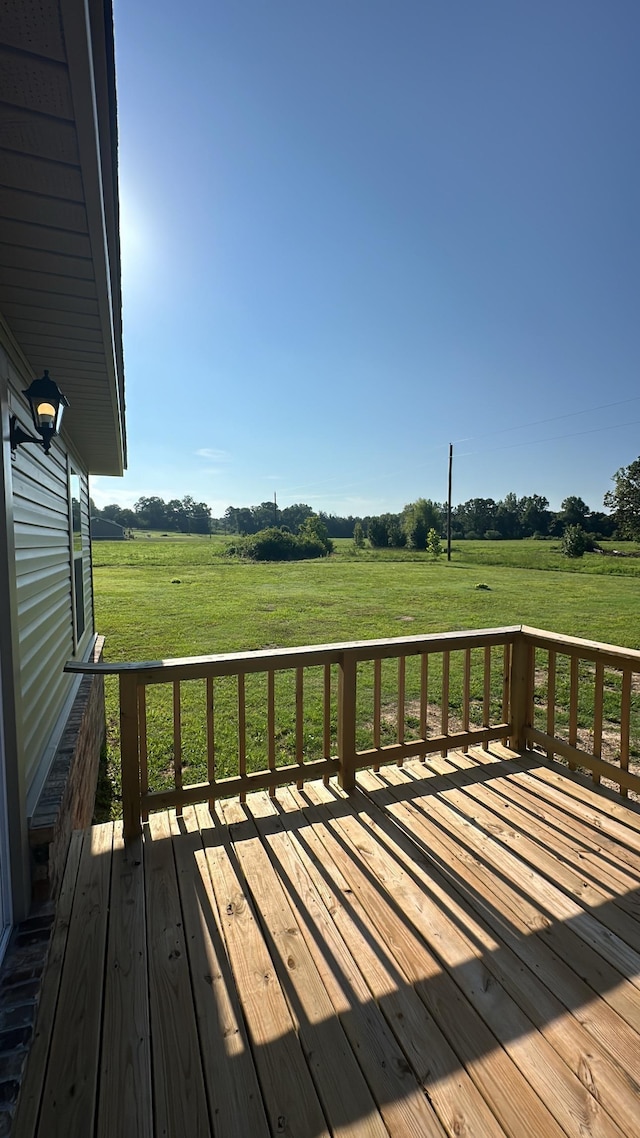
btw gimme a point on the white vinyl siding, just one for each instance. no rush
(43, 545)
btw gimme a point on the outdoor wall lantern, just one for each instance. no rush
(47, 404)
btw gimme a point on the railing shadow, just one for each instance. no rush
(399, 961)
(489, 982)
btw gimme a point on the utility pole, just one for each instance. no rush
(449, 502)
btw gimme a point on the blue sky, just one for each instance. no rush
(357, 230)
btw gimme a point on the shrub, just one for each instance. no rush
(493, 535)
(277, 544)
(574, 541)
(434, 546)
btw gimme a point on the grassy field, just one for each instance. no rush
(160, 597)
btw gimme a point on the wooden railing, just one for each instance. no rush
(583, 704)
(201, 728)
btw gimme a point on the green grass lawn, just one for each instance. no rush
(169, 597)
(158, 597)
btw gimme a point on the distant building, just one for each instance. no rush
(102, 529)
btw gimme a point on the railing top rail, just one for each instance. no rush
(266, 659)
(587, 649)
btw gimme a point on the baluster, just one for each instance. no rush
(242, 733)
(573, 708)
(506, 674)
(444, 710)
(402, 664)
(486, 697)
(551, 698)
(129, 755)
(377, 706)
(424, 696)
(177, 740)
(211, 745)
(466, 695)
(598, 702)
(271, 725)
(326, 750)
(142, 737)
(300, 723)
(625, 723)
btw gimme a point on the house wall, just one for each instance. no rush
(44, 587)
(41, 583)
(68, 797)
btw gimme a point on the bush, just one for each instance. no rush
(277, 544)
(574, 541)
(433, 544)
(493, 535)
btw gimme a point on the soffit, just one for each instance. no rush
(59, 252)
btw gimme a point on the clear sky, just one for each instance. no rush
(354, 231)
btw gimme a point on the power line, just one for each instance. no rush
(552, 419)
(557, 438)
(318, 487)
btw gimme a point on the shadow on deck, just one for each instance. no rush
(454, 949)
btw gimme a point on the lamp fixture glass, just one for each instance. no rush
(47, 405)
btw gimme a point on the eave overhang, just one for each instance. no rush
(60, 291)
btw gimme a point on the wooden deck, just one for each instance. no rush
(452, 950)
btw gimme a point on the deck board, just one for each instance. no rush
(291, 1102)
(31, 1094)
(179, 1095)
(352, 973)
(428, 1055)
(451, 950)
(230, 1076)
(125, 1103)
(72, 1072)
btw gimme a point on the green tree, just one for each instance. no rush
(240, 519)
(313, 529)
(115, 513)
(574, 512)
(534, 514)
(624, 500)
(378, 533)
(152, 513)
(395, 530)
(293, 516)
(434, 547)
(476, 516)
(358, 535)
(418, 518)
(507, 517)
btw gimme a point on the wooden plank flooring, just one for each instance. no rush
(452, 950)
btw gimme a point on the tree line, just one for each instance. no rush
(188, 516)
(176, 516)
(509, 518)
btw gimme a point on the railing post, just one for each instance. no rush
(520, 693)
(130, 755)
(347, 721)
